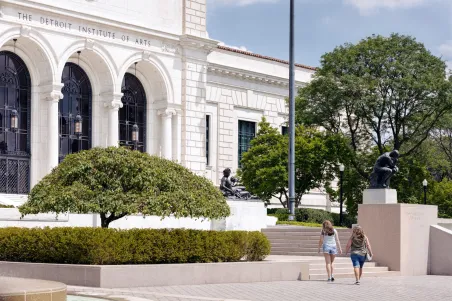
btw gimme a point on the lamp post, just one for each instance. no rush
(78, 126)
(341, 171)
(424, 183)
(135, 136)
(292, 113)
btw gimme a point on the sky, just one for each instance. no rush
(262, 26)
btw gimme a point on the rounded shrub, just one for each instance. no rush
(98, 246)
(116, 182)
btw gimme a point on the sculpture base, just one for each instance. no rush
(379, 196)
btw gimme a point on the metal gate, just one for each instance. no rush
(14, 175)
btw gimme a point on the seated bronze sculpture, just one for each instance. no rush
(384, 169)
(230, 187)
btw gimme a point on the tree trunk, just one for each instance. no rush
(105, 221)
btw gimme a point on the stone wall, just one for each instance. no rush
(195, 17)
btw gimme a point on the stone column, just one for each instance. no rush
(113, 105)
(178, 137)
(167, 137)
(53, 128)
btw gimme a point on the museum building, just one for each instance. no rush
(77, 74)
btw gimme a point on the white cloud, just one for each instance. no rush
(243, 48)
(446, 49)
(368, 6)
(241, 2)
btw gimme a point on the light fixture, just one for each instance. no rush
(78, 125)
(78, 53)
(15, 40)
(136, 68)
(424, 183)
(135, 134)
(341, 167)
(14, 120)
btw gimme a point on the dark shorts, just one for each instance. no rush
(358, 260)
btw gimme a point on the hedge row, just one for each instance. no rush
(99, 246)
(312, 216)
(6, 206)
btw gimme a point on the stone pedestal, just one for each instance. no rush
(399, 235)
(380, 196)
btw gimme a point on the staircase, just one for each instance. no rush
(299, 241)
(301, 244)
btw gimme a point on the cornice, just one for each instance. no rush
(250, 76)
(194, 42)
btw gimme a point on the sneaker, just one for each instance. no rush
(332, 278)
(357, 283)
(329, 280)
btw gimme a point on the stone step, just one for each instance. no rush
(340, 264)
(302, 254)
(300, 229)
(352, 275)
(300, 245)
(291, 250)
(348, 270)
(301, 237)
(273, 234)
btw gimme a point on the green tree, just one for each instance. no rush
(388, 92)
(441, 194)
(116, 182)
(265, 166)
(382, 93)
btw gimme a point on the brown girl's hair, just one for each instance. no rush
(358, 233)
(327, 228)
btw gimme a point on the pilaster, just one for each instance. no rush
(194, 82)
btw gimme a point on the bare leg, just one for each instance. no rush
(360, 272)
(328, 264)
(332, 257)
(356, 270)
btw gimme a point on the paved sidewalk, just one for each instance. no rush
(421, 288)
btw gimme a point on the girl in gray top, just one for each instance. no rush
(359, 247)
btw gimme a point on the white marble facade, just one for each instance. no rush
(185, 75)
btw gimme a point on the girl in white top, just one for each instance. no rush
(329, 241)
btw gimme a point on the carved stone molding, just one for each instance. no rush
(146, 55)
(170, 48)
(112, 100)
(55, 96)
(167, 113)
(25, 31)
(89, 44)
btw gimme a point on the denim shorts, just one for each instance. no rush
(358, 260)
(330, 250)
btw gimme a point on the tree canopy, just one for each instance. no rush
(116, 182)
(388, 92)
(383, 93)
(264, 169)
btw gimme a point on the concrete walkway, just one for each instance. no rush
(431, 288)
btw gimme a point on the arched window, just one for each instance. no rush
(15, 95)
(75, 103)
(133, 112)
